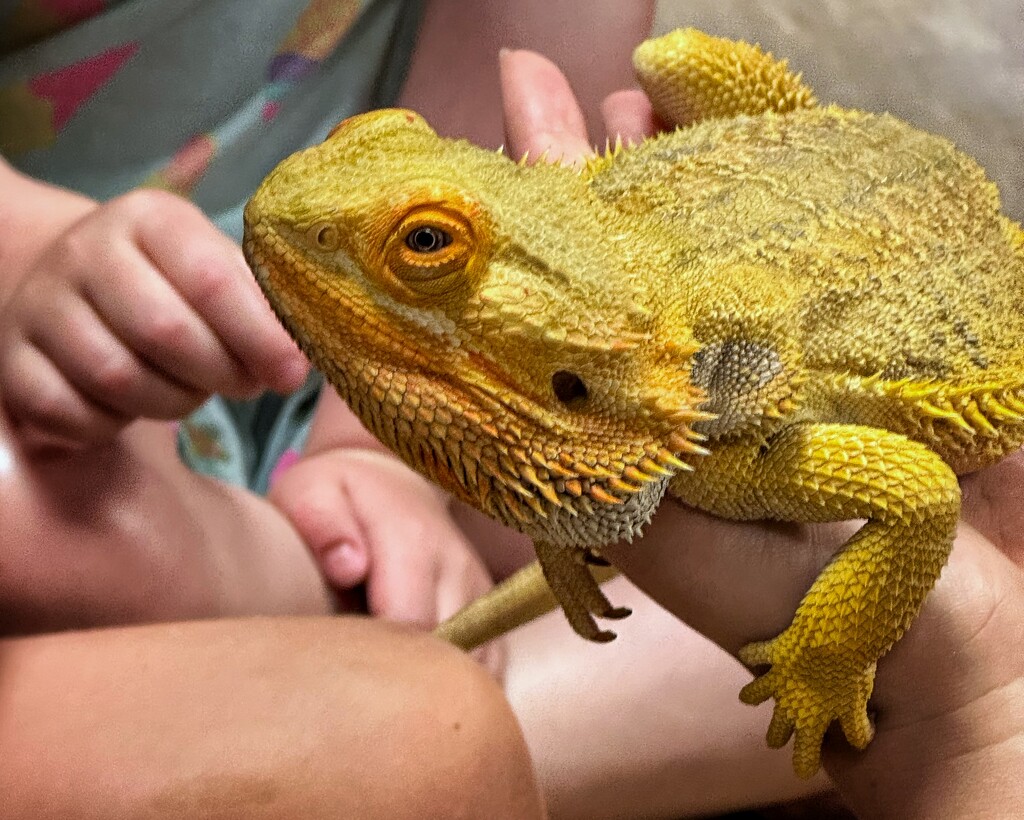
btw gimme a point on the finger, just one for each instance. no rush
(104, 371)
(462, 579)
(221, 288)
(412, 538)
(992, 504)
(404, 570)
(460, 582)
(368, 498)
(210, 273)
(44, 405)
(628, 116)
(345, 564)
(541, 111)
(313, 495)
(162, 328)
(401, 586)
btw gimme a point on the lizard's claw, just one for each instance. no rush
(588, 600)
(574, 587)
(810, 691)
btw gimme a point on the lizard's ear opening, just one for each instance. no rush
(569, 388)
(433, 250)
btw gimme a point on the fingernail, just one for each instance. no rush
(293, 373)
(345, 564)
(571, 149)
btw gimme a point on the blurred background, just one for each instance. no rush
(954, 67)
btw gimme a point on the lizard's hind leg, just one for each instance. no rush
(691, 76)
(822, 667)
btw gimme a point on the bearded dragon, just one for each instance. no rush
(778, 310)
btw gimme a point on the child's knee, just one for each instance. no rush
(469, 752)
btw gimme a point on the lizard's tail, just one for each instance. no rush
(517, 600)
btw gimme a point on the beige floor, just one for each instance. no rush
(954, 67)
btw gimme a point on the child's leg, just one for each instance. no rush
(646, 726)
(126, 533)
(274, 717)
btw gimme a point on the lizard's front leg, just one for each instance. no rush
(575, 588)
(822, 666)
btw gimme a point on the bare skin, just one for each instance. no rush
(64, 397)
(94, 502)
(453, 44)
(238, 556)
(948, 709)
(663, 750)
(256, 719)
(124, 533)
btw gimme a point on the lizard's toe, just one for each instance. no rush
(758, 653)
(807, 750)
(857, 726)
(758, 690)
(810, 693)
(780, 730)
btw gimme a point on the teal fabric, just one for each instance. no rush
(247, 443)
(203, 98)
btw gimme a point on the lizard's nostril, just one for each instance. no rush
(569, 388)
(326, 237)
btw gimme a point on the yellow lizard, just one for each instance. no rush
(777, 311)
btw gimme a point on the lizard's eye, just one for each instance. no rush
(427, 239)
(431, 251)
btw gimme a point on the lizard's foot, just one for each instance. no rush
(574, 586)
(811, 689)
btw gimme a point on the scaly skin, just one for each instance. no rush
(778, 311)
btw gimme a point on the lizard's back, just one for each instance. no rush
(890, 244)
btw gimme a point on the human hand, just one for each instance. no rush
(947, 701)
(371, 522)
(141, 308)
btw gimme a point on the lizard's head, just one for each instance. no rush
(482, 318)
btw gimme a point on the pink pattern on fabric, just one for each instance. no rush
(190, 163)
(270, 110)
(69, 87)
(288, 458)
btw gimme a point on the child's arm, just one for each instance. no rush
(138, 307)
